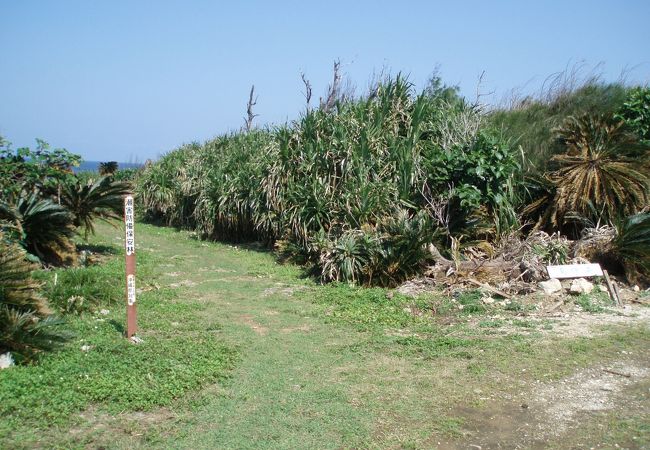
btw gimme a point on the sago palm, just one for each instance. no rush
(632, 246)
(26, 322)
(42, 227)
(605, 168)
(101, 199)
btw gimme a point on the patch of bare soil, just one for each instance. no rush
(558, 406)
(256, 327)
(569, 322)
(553, 411)
(301, 328)
(282, 289)
(215, 270)
(577, 323)
(134, 423)
(183, 283)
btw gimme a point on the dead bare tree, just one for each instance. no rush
(307, 89)
(480, 94)
(333, 89)
(248, 121)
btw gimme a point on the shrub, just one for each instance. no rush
(636, 112)
(41, 169)
(108, 168)
(345, 189)
(163, 188)
(528, 123)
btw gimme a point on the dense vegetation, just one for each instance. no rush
(361, 189)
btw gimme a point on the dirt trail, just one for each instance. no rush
(547, 413)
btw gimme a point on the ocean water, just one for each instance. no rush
(93, 166)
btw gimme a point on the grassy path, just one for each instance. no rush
(298, 384)
(308, 376)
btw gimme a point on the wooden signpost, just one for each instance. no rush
(129, 226)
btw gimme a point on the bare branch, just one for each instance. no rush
(479, 94)
(307, 89)
(333, 89)
(438, 206)
(248, 121)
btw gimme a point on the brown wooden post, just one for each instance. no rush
(612, 289)
(129, 226)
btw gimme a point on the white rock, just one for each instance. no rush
(6, 361)
(488, 300)
(602, 288)
(104, 312)
(581, 286)
(636, 288)
(551, 286)
(86, 348)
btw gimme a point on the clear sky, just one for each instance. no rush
(126, 80)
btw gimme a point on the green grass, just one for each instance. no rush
(114, 373)
(365, 308)
(594, 303)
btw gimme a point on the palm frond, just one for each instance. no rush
(101, 199)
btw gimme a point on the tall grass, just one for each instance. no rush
(529, 122)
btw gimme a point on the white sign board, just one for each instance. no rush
(129, 225)
(130, 289)
(575, 271)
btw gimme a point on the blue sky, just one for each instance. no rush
(126, 80)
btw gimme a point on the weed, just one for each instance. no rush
(588, 304)
(366, 308)
(472, 302)
(491, 324)
(524, 323)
